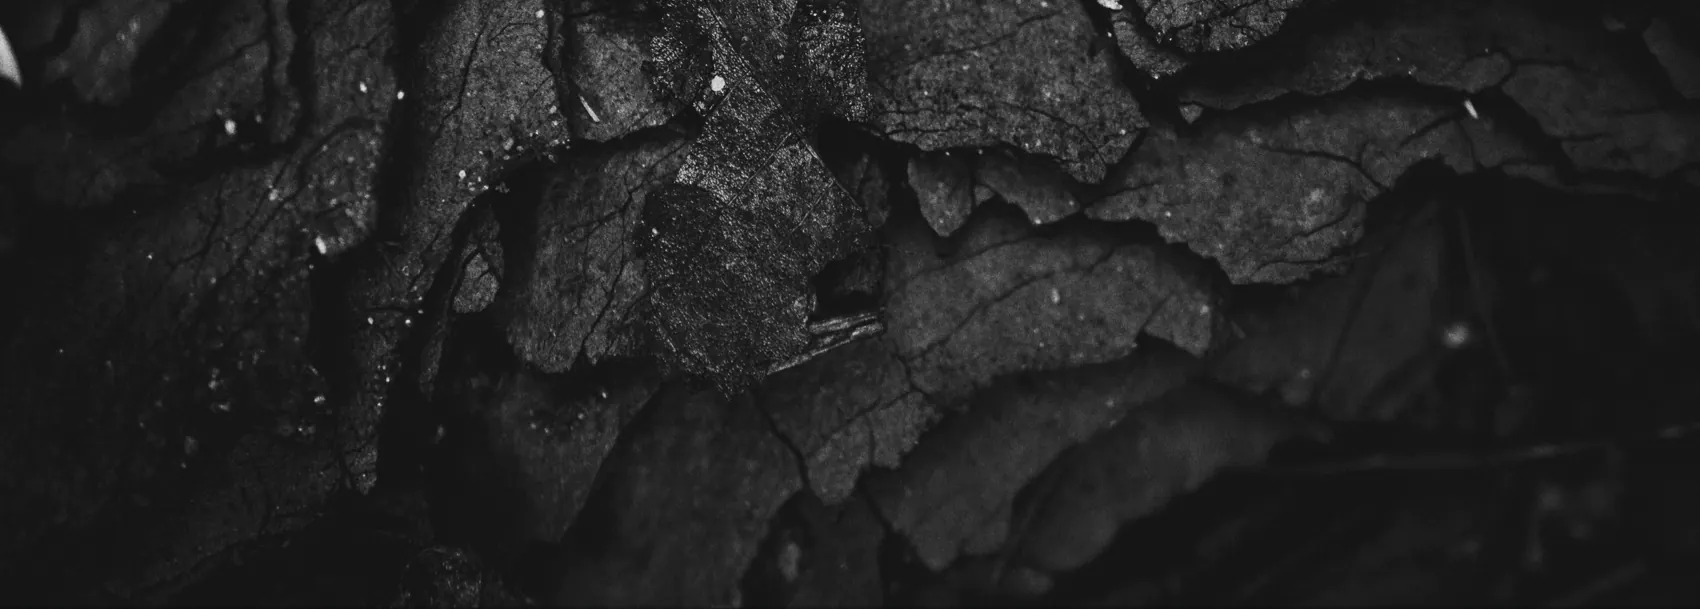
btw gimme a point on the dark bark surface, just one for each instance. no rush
(849, 302)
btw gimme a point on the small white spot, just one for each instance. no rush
(1471, 108)
(789, 557)
(1304, 373)
(362, 87)
(369, 320)
(230, 126)
(1203, 309)
(1056, 296)
(591, 111)
(320, 244)
(400, 94)
(463, 174)
(190, 445)
(1110, 4)
(539, 13)
(9, 62)
(1456, 335)
(655, 231)
(408, 322)
(717, 84)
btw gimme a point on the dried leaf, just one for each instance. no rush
(482, 92)
(953, 493)
(819, 556)
(1567, 87)
(846, 411)
(755, 212)
(607, 91)
(683, 508)
(950, 185)
(1216, 25)
(1398, 321)
(1011, 300)
(1157, 452)
(1276, 197)
(577, 297)
(974, 74)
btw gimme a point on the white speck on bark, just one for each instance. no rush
(593, 117)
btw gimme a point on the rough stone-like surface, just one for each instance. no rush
(1021, 73)
(1216, 25)
(1274, 197)
(954, 491)
(577, 297)
(1010, 300)
(689, 494)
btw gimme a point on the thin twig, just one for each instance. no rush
(1326, 375)
(1041, 496)
(1484, 312)
(1463, 461)
(1589, 594)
